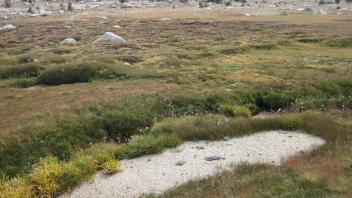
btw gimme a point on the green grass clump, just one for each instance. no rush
(144, 145)
(111, 166)
(24, 82)
(339, 42)
(78, 73)
(15, 187)
(52, 177)
(22, 71)
(101, 152)
(235, 110)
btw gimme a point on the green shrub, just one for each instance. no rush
(231, 51)
(23, 71)
(263, 46)
(24, 82)
(77, 73)
(235, 110)
(144, 145)
(272, 100)
(130, 116)
(111, 166)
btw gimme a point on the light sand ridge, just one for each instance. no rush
(194, 160)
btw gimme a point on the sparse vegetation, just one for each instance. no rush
(204, 87)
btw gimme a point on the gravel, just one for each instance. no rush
(160, 172)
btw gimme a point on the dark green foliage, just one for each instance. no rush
(130, 116)
(23, 71)
(273, 100)
(230, 51)
(339, 42)
(263, 46)
(77, 73)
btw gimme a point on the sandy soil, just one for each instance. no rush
(194, 160)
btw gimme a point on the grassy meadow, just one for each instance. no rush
(69, 111)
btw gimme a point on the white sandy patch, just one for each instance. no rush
(158, 173)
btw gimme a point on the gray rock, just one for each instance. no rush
(69, 41)
(126, 5)
(213, 158)
(8, 27)
(109, 36)
(308, 9)
(284, 13)
(319, 12)
(180, 163)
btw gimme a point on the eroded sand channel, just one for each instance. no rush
(194, 160)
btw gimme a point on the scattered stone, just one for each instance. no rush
(109, 36)
(126, 5)
(180, 163)
(284, 13)
(8, 27)
(213, 158)
(164, 19)
(319, 12)
(69, 41)
(127, 63)
(200, 147)
(308, 9)
(117, 26)
(300, 9)
(246, 14)
(103, 17)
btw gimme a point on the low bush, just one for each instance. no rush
(263, 46)
(22, 71)
(77, 73)
(130, 116)
(271, 100)
(231, 51)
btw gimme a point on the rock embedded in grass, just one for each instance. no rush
(68, 41)
(8, 27)
(109, 36)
